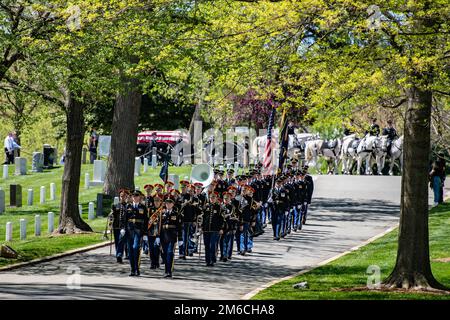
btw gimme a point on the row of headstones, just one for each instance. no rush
(37, 227)
(15, 196)
(100, 171)
(51, 222)
(37, 165)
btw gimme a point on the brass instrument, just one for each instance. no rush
(154, 216)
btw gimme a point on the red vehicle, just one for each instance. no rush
(165, 142)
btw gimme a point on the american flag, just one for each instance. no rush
(268, 162)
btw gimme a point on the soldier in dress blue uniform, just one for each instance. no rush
(213, 224)
(171, 222)
(280, 203)
(117, 213)
(154, 227)
(249, 208)
(189, 211)
(232, 223)
(149, 205)
(221, 185)
(308, 194)
(230, 180)
(300, 194)
(135, 225)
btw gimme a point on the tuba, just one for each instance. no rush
(203, 173)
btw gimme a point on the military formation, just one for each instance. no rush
(222, 218)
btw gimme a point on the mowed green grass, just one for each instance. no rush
(350, 271)
(47, 244)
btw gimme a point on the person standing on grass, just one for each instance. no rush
(436, 182)
(92, 147)
(10, 145)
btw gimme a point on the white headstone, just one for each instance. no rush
(86, 180)
(23, 229)
(137, 166)
(236, 168)
(145, 165)
(51, 222)
(136, 188)
(42, 195)
(116, 201)
(52, 191)
(80, 209)
(175, 179)
(30, 197)
(5, 171)
(9, 232)
(154, 161)
(91, 213)
(21, 166)
(99, 173)
(2, 201)
(37, 225)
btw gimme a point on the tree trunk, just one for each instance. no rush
(412, 269)
(120, 172)
(70, 220)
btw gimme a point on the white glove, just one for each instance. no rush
(305, 203)
(287, 212)
(122, 232)
(145, 238)
(157, 242)
(299, 206)
(180, 243)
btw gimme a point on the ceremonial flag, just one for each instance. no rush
(284, 142)
(268, 162)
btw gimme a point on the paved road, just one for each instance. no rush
(347, 210)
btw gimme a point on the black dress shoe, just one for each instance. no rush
(167, 275)
(225, 260)
(152, 267)
(119, 260)
(138, 273)
(132, 274)
(249, 251)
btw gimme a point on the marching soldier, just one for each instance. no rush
(117, 213)
(309, 192)
(149, 205)
(189, 211)
(248, 208)
(154, 226)
(280, 205)
(230, 180)
(170, 231)
(134, 225)
(300, 194)
(221, 185)
(159, 190)
(212, 227)
(232, 222)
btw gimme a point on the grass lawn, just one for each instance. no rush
(46, 244)
(349, 271)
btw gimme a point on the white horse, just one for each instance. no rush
(259, 146)
(380, 152)
(348, 152)
(328, 149)
(364, 153)
(395, 153)
(296, 145)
